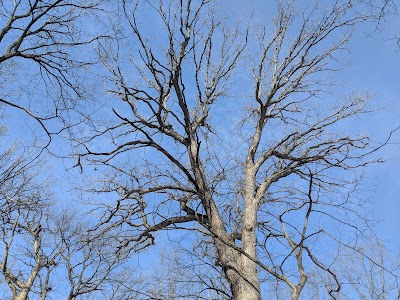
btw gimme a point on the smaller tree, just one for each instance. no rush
(23, 211)
(38, 246)
(186, 274)
(370, 272)
(91, 264)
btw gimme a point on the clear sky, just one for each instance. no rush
(375, 65)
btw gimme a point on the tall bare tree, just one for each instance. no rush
(275, 191)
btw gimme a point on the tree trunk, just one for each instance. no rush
(247, 286)
(243, 282)
(241, 270)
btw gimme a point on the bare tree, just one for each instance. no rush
(39, 247)
(24, 202)
(90, 264)
(183, 274)
(382, 12)
(381, 9)
(38, 252)
(370, 273)
(275, 192)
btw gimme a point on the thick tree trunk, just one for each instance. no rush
(296, 291)
(243, 280)
(247, 287)
(245, 291)
(241, 270)
(248, 284)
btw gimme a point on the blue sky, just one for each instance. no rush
(375, 65)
